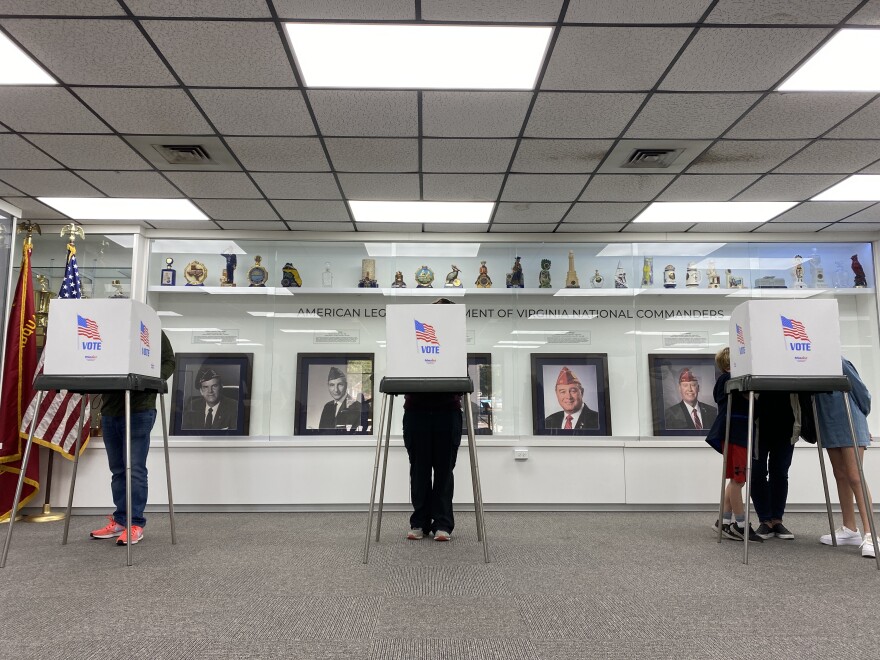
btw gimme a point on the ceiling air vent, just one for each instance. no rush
(184, 154)
(651, 158)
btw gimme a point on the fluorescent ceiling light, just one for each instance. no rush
(730, 212)
(418, 56)
(461, 250)
(659, 249)
(124, 208)
(857, 188)
(161, 313)
(287, 315)
(19, 69)
(125, 240)
(847, 63)
(540, 332)
(426, 212)
(191, 329)
(509, 342)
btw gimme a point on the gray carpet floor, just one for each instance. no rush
(560, 586)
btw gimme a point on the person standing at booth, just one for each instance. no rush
(143, 416)
(775, 424)
(432, 436)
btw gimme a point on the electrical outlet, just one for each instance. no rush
(520, 454)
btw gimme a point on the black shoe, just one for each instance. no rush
(782, 532)
(739, 533)
(725, 530)
(764, 531)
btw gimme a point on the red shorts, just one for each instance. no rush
(736, 463)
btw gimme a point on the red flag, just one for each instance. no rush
(18, 390)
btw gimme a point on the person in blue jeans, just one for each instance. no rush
(143, 416)
(775, 424)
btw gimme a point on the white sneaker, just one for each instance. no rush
(868, 546)
(845, 536)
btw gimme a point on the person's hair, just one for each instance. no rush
(205, 374)
(443, 301)
(722, 359)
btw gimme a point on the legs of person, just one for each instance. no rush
(446, 441)
(849, 486)
(736, 475)
(417, 440)
(733, 500)
(781, 454)
(761, 492)
(114, 443)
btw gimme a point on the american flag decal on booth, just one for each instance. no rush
(145, 335)
(87, 328)
(739, 335)
(794, 329)
(425, 333)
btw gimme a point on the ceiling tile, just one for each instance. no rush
(234, 185)
(130, 184)
(91, 52)
(366, 113)
(33, 210)
(6, 189)
(146, 111)
(519, 229)
(311, 211)
(870, 214)
(864, 124)
(46, 109)
(788, 187)
(464, 228)
(706, 187)
(308, 185)
(320, 226)
(832, 156)
(871, 169)
(280, 154)
(604, 212)
(689, 116)
(48, 183)
(543, 187)
(787, 227)
(256, 112)
(796, 115)
(17, 153)
(237, 209)
(744, 157)
(494, 11)
(223, 53)
(843, 227)
(573, 114)
(199, 8)
(821, 211)
(449, 155)
(408, 227)
(635, 11)
(62, 8)
(625, 187)
(617, 56)
(780, 11)
(530, 213)
(562, 156)
(183, 224)
(462, 187)
(729, 59)
(91, 152)
(370, 10)
(474, 114)
(723, 228)
(598, 227)
(867, 15)
(253, 225)
(380, 186)
(374, 155)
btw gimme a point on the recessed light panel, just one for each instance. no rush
(857, 188)
(847, 63)
(731, 212)
(418, 56)
(124, 208)
(424, 212)
(16, 68)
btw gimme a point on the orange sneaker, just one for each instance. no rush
(112, 530)
(137, 533)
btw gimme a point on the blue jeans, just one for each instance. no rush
(114, 443)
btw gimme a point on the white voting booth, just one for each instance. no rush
(789, 346)
(426, 349)
(95, 346)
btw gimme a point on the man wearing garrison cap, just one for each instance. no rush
(575, 414)
(689, 413)
(342, 411)
(215, 411)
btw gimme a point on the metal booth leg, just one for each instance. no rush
(379, 430)
(475, 477)
(824, 475)
(167, 469)
(76, 448)
(20, 485)
(867, 498)
(748, 508)
(384, 467)
(128, 476)
(724, 454)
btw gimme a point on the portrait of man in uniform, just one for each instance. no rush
(575, 414)
(342, 411)
(334, 394)
(681, 393)
(689, 413)
(216, 410)
(570, 394)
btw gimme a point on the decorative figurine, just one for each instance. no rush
(544, 275)
(368, 272)
(327, 276)
(290, 276)
(713, 276)
(798, 272)
(619, 277)
(839, 275)
(693, 276)
(119, 293)
(227, 278)
(734, 282)
(42, 297)
(169, 275)
(424, 277)
(398, 282)
(669, 277)
(596, 281)
(195, 273)
(452, 279)
(483, 279)
(648, 271)
(817, 272)
(860, 281)
(770, 282)
(257, 275)
(515, 279)
(571, 277)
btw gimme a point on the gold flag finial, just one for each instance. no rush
(26, 226)
(72, 231)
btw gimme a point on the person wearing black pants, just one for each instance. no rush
(775, 421)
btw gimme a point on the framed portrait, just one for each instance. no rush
(479, 366)
(681, 393)
(570, 394)
(334, 394)
(212, 394)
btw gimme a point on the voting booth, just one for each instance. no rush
(786, 346)
(97, 346)
(427, 353)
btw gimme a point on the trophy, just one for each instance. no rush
(515, 279)
(483, 279)
(41, 300)
(597, 280)
(544, 275)
(257, 274)
(452, 279)
(368, 272)
(713, 276)
(326, 276)
(398, 282)
(798, 272)
(817, 271)
(119, 293)
(734, 282)
(619, 277)
(290, 276)
(169, 275)
(195, 273)
(839, 275)
(648, 271)
(693, 277)
(669, 277)
(424, 278)
(227, 277)
(571, 277)
(860, 281)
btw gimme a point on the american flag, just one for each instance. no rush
(58, 417)
(739, 335)
(145, 335)
(425, 333)
(794, 329)
(87, 328)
